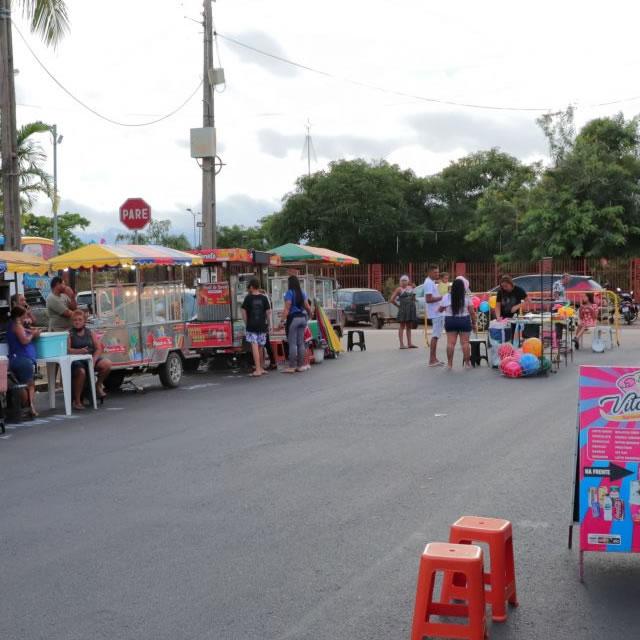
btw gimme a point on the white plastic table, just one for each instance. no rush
(64, 362)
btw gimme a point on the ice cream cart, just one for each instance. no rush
(138, 312)
(217, 332)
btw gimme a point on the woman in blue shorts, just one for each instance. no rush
(459, 318)
(22, 353)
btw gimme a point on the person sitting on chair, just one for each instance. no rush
(82, 341)
(22, 354)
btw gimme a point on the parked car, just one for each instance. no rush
(356, 303)
(84, 299)
(384, 312)
(38, 305)
(537, 288)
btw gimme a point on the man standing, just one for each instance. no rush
(560, 289)
(432, 299)
(61, 304)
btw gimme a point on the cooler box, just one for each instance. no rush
(52, 344)
(4, 370)
(497, 335)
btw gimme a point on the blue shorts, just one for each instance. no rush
(457, 324)
(22, 368)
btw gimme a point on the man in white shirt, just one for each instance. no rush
(433, 299)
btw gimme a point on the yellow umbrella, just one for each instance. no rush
(96, 256)
(22, 262)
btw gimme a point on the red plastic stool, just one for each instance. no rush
(498, 535)
(465, 560)
(278, 350)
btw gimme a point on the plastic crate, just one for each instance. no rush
(51, 344)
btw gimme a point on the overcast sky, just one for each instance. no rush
(134, 60)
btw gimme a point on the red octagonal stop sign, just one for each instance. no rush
(135, 213)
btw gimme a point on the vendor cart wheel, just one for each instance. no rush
(114, 381)
(171, 371)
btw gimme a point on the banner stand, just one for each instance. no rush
(606, 485)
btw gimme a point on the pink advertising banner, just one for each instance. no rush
(609, 459)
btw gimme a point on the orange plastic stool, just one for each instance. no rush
(461, 559)
(278, 350)
(498, 535)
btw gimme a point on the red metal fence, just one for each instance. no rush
(619, 272)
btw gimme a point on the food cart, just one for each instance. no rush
(313, 265)
(217, 331)
(138, 318)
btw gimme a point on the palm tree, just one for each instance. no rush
(33, 179)
(50, 20)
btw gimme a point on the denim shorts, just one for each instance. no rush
(457, 324)
(22, 368)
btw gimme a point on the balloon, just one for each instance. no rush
(570, 312)
(511, 368)
(484, 307)
(475, 301)
(505, 350)
(545, 364)
(533, 346)
(530, 364)
(492, 301)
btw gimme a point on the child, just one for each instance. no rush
(587, 315)
(256, 313)
(444, 285)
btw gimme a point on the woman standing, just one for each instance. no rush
(81, 341)
(404, 298)
(459, 317)
(295, 315)
(22, 353)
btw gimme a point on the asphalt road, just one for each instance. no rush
(297, 507)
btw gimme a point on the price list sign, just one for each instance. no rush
(609, 459)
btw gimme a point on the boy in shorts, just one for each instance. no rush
(256, 313)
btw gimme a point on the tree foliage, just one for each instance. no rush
(42, 226)
(486, 205)
(157, 232)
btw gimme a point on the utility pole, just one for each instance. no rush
(8, 136)
(208, 120)
(56, 141)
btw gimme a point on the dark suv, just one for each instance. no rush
(356, 303)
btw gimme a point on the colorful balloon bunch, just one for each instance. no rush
(528, 362)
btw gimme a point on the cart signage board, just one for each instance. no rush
(213, 294)
(609, 458)
(203, 335)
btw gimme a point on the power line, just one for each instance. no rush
(93, 111)
(403, 94)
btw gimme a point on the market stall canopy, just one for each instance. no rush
(304, 253)
(97, 256)
(247, 256)
(22, 262)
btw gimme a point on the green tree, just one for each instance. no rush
(460, 202)
(253, 237)
(42, 226)
(157, 232)
(355, 207)
(588, 204)
(33, 180)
